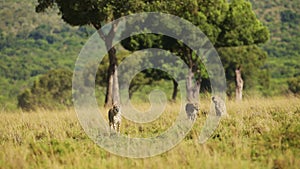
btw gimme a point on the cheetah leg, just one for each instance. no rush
(118, 128)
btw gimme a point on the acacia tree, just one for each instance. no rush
(251, 59)
(226, 24)
(97, 13)
(202, 14)
(229, 25)
(242, 30)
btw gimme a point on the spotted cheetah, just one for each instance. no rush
(114, 117)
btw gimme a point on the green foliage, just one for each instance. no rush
(290, 17)
(32, 44)
(251, 59)
(52, 91)
(294, 85)
(207, 15)
(241, 26)
(223, 25)
(282, 18)
(97, 13)
(90, 12)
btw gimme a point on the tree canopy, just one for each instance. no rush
(241, 26)
(97, 13)
(222, 24)
(90, 12)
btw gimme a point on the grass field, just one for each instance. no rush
(258, 133)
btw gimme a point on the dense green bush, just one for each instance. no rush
(52, 91)
(294, 85)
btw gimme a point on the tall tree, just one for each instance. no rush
(97, 13)
(252, 59)
(226, 24)
(243, 30)
(206, 15)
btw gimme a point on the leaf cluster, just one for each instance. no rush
(51, 90)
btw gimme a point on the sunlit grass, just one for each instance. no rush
(258, 133)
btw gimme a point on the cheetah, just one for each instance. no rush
(114, 117)
(191, 110)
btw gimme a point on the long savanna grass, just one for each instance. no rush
(258, 133)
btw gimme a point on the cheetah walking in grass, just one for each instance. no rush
(219, 106)
(114, 117)
(191, 110)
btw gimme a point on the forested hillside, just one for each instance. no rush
(283, 20)
(31, 44)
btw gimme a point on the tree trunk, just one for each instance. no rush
(130, 93)
(192, 90)
(116, 95)
(196, 91)
(239, 84)
(108, 94)
(112, 89)
(175, 90)
(109, 85)
(132, 88)
(189, 86)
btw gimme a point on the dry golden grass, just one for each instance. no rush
(258, 133)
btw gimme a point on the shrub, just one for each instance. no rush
(294, 85)
(52, 91)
